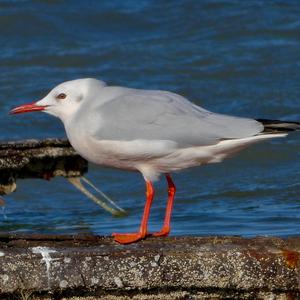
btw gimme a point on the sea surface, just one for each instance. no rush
(233, 57)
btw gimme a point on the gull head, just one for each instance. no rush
(64, 100)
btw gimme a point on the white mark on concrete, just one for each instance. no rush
(4, 278)
(132, 264)
(63, 284)
(94, 280)
(157, 257)
(2, 253)
(67, 260)
(45, 252)
(118, 282)
(153, 264)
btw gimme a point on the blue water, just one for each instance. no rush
(235, 57)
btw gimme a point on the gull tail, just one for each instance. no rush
(277, 126)
(109, 205)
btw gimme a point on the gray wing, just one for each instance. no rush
(160, 115)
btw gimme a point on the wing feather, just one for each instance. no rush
(159, 115)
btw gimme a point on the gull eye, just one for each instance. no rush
(61, 96)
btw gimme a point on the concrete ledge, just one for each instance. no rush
(37, 159)
(91, 267)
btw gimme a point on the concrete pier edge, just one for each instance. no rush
(94, 267)
(37, 159)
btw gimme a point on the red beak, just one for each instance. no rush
(27, 108)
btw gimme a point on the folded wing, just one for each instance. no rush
(160, 115)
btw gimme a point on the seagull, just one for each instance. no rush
(150, 131)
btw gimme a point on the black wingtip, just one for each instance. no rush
(278, 126)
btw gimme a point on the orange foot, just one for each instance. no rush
(163, 232)
(127, 238)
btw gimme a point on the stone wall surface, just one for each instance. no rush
(92, 267)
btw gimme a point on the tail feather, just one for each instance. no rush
(277, 126)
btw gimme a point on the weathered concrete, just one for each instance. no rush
(37, 159)
(73, 267)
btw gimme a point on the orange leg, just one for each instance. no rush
(127, 238)
(171, 195)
